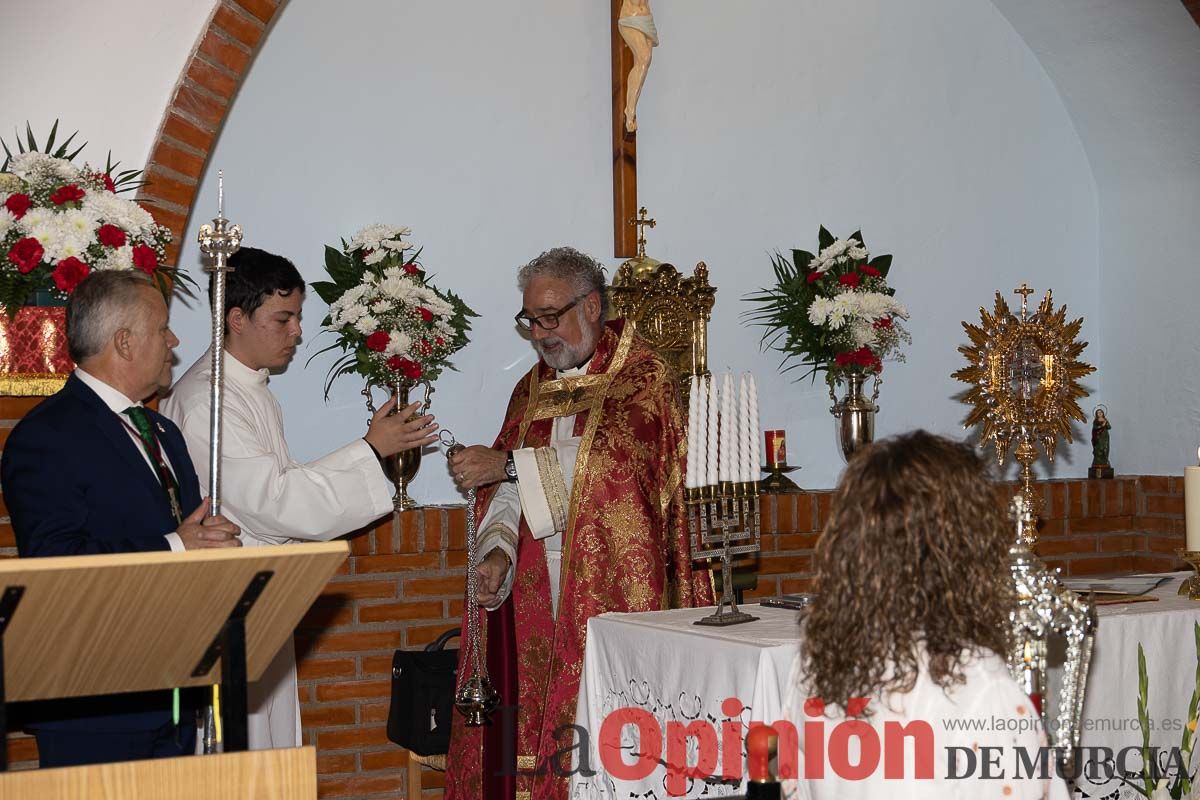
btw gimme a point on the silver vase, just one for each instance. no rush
(855, 414)
(402, 467)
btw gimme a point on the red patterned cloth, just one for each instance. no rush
(33, 351)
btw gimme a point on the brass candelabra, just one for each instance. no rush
(724, 520)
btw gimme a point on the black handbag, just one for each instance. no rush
(422, 707)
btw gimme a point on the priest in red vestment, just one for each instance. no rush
(580, 503)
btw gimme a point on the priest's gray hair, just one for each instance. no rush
(582, 272)
(103, 302)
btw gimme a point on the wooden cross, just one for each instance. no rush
(624, 148)
(1024, 291)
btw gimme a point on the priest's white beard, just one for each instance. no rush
(568, 356)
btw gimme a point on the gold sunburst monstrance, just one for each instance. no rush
(1024, 372)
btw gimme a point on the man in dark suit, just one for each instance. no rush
(91, 470)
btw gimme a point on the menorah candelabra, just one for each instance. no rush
(724, 520)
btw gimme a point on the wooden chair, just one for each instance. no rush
(413, 770)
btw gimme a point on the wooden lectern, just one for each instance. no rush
(92, 625)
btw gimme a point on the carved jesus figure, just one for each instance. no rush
(636, 25)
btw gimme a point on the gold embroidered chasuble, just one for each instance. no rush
(625, 549)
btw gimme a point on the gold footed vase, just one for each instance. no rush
(402, 468)
(855, 414)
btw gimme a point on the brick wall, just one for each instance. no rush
(403, 585)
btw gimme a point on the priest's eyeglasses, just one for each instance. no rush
(549, 321)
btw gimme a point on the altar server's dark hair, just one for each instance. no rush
(256, 276)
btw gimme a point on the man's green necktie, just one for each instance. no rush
(166, 479)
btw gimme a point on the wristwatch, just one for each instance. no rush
(510, 468)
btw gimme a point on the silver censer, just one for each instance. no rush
(475, 696)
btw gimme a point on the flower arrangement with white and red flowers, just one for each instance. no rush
(390, 323)
(834, 311)
(58, 222)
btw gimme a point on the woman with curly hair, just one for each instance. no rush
(909, 626)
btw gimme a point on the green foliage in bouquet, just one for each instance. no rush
(832, 312)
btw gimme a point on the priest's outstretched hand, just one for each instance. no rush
(477, 466)
(200, 530)
(402, 431)
(492, 571)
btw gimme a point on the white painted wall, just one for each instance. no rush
(104, 67)
(1130, 78)
(932, 128)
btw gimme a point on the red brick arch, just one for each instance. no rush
(193, 119)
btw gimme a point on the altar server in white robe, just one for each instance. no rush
(271, 497)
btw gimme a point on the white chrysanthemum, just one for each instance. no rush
(375, 256)
(78, 225)
(7, 220)
(818, 312)
(36, 220)
(841, 308)
(857, 253)
(366, 325)
(396, 245)
(106, 207)
(373, 237)
(399, 344)
(34, 166)
(117, 258)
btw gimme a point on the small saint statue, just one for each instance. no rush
(636, 26)
(1100, 468)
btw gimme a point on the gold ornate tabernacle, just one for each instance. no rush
(667, 309)
(1024, 373)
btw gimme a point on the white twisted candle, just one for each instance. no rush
(727, 446)
(743, 432)
(754, 432)
(710, 412)
(693, 428)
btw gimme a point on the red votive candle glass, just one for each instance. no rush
(776, 448)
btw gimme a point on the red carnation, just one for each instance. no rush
(411, 268)
(849, 279)
(425, 313)
(883, 324)
(68, 274)
(108, 183)
(378, 341)
(425, 347)
(111, 236)
(869, 271)
(144, 258)
(813, 277)
(26, 254)
(67, 194)
(439, 341)
(18, 204)
(411, 369)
